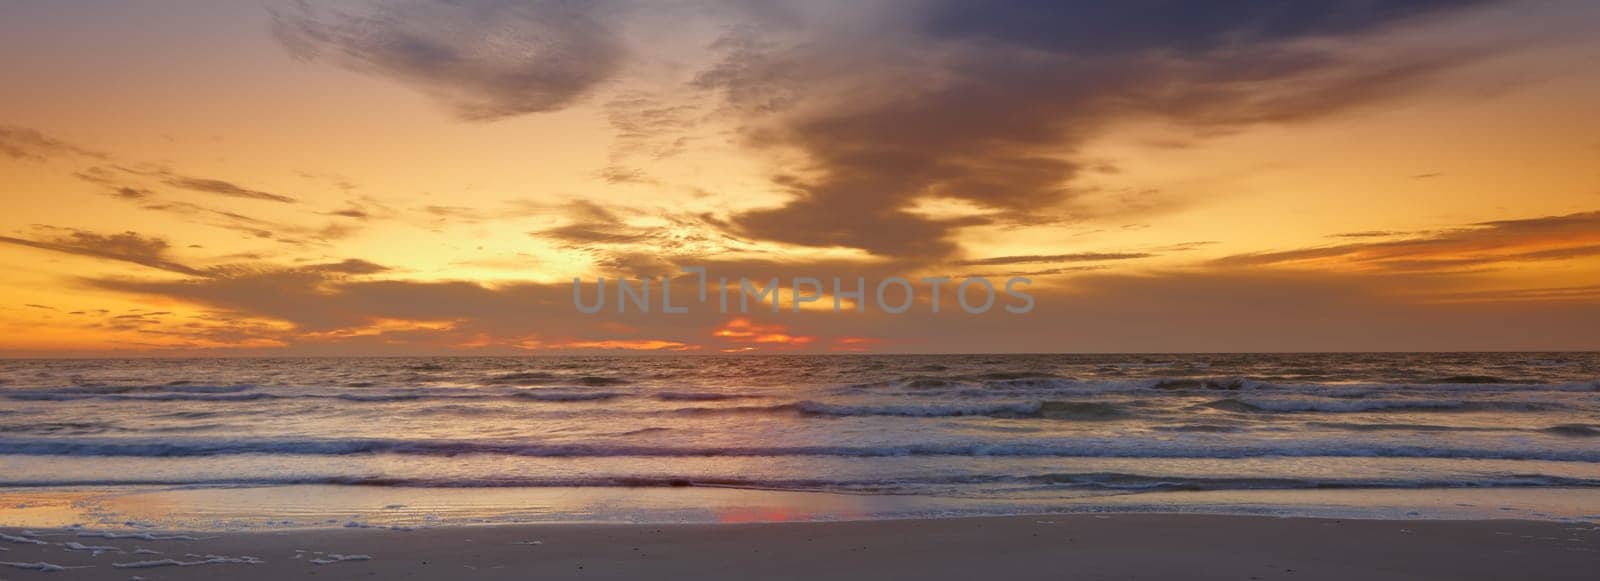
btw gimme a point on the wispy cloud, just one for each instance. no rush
(29, 144)
(485, 59)
(129, 247)
(1485, 244)
(1054, 258)
(225, 188)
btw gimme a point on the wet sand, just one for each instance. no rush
(1120, 546)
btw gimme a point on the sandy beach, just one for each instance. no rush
(1119, 546)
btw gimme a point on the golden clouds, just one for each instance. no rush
(426, 177)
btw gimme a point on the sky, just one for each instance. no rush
(198, 178)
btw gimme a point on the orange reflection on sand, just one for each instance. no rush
(745, 514)
(55, 509)
(789, 512)
(754, 514)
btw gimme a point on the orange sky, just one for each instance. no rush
(214, 178)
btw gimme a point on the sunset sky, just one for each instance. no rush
(277, 178)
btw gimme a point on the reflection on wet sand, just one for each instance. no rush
(333, 506)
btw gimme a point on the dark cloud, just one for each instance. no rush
(127, 183)
(1163, 25)
(1588, 293)
(1479, 245)
(988, 103)
(618, 247)
(1049, 258)
(1044, 272)
(327, 311)
(286, 233)
(1184, 246)
(129, 247)
(118, 180)
(131, 193)
(1368, 234)
(1235, 311)
(314, 300)
(616, 174)
(353, 213)
(1500, 242)
(591, 223)
(649, 126)
(485, 59)
(29, 144)
(350, 266)
(225, 188)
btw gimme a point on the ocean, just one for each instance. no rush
(703, 437)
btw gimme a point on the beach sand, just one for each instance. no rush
(1117, 546)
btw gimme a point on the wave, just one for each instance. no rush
(1035, 409)
(171, 391)
(174, 387)
(1079, 448)
(997, 382)
(1202, 428)
(1021, 384)
(914, 382)
(1144, 482)
(701, 396)
(1211, 383)
(974, 387)
(51, 396)
(1332, 405)
(546, 378)
(248, 393)
(1244, 404)
(1471, 379)
(60, 428)
(567, 396)
(1108, 481)
(1019, 409)
(1361, 427)
(1574, 430)
(736, 409)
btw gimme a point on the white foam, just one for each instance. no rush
(94, 550)
(141, 536)
(201, 560)
(39, 566)
(21, 540)
(336, 558)
(928, 410)
(1347, 405)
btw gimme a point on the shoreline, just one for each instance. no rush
(1087, 546)
(211, 509)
